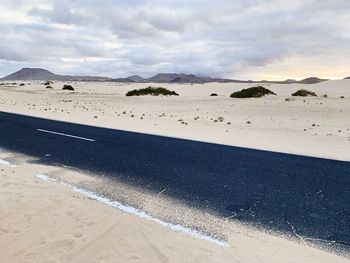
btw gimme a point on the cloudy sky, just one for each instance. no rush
(244, 39)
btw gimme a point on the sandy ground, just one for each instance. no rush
(44, 221)
(307, 126)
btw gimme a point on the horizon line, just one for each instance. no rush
(179, 73)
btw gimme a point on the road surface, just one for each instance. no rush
(289, 193)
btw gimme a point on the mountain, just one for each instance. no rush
(312, 80)
(227, 80)
(43, 74)
(162, 78)
(136, 78)
(32, 74)
(185, 78)
(290, 81)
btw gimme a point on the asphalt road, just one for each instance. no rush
(288, 193)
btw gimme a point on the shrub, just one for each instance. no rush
(253, 92)
(67, 87)
(22, 84)
(213, 94)
(47, 83)
(304, 93)
(48, 87)
(151, 91)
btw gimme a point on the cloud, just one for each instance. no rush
(241, 39)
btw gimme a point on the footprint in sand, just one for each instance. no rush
(69, 213)
(78, 234)
(91, 223)
(3, 231)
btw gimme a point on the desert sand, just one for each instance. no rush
(47, 221)
(303, 125)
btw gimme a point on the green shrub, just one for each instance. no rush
(67, 87)
(253, 92)
(151, 91)
(304, 93)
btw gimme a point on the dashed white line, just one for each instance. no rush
(67, 135)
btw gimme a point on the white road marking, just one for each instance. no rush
(67, 135)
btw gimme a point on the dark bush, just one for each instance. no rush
(151, 91)
(67, 87)
(22, 84)
(304, 93)
(253, 92)
(213, 94)
(47, 83)
(48, 87)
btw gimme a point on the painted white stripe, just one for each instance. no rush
(67, 135)
(137, 212)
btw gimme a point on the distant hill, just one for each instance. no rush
(312, 80)
(136, 78)
(290, 81)
(43, 74)
(182, 78)
(32, 74)
(185, 78)
(162, 78)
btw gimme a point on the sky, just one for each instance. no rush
(240, 39)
